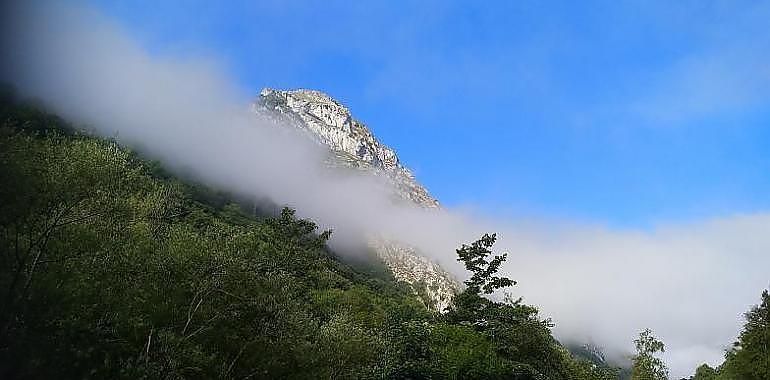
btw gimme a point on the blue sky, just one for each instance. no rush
(629, 113)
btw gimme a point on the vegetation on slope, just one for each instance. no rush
(112, 269)
(749, 358)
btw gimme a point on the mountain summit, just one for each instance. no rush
(352, 144)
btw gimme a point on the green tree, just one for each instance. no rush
(645, 365)
(48, 186)
(483, 271)
(470, 306)
(749, 358)
(522, 342)
(704, 372)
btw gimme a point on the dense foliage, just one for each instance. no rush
(749, 358)
(112, 268)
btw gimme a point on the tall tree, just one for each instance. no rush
(474, 257)
(514, 331)
(645, 365)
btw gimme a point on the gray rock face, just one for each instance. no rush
(352, 145)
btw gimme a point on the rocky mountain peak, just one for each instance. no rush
(331, 124)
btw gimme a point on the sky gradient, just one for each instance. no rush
(630, 115)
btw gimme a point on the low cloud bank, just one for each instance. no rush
(689, 283)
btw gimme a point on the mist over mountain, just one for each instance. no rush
(353, 146)
(690, 282)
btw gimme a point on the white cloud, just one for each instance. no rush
(689, 283)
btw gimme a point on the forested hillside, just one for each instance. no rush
(112, 268)
(749, 358)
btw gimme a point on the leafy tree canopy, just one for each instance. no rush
(646, 366)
